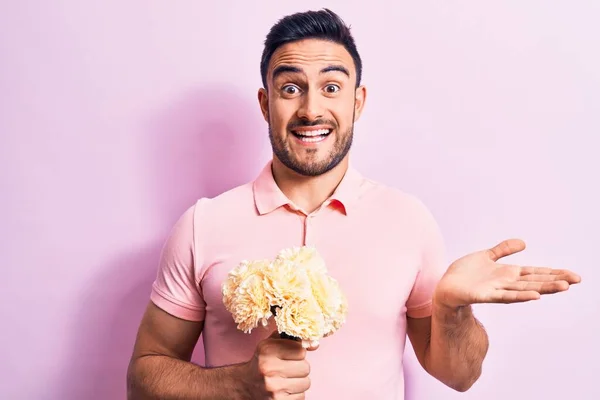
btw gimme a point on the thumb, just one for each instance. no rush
(274, 334)
(310, 345)
(506, 248)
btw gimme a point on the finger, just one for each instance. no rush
(541, 278)
(549, 278)
(283, 349)
(289, 350)
(297, 385)
(514, 296)
(506, 248)
(538, 271)
(539, 287)
(295, 369)
(557, 274)
(299, 396)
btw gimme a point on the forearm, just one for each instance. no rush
(166, 378)
(458, 345)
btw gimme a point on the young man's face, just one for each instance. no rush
(311, 105)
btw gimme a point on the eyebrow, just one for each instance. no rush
(338, 68)
(282, 69)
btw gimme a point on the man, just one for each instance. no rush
(382, 245)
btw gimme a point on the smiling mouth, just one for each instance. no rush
(312, 136)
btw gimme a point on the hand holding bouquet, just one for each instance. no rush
(294, 288)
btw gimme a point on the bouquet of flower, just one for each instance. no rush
(294, 288)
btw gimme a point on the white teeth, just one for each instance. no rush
(313, 139)
(319, 132)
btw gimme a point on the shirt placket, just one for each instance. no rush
(309, 230)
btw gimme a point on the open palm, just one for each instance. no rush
(480, 278)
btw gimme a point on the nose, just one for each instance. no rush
(311, 107)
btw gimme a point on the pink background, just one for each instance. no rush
(112, 118)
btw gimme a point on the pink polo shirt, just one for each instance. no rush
(383, 247)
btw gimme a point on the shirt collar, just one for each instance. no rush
(268, 197)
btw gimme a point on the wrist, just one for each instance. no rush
(446, 297)
(449, 312)
(247, 382)
(241, 382)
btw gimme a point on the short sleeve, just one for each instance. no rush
(175, 289)
(432, 267)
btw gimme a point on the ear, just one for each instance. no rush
(263, 101)
(359, 101)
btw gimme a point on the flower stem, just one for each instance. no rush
(284, 335)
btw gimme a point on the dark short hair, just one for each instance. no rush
(323, 24)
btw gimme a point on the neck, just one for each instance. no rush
(308, 192)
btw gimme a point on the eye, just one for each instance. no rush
(290, 89)
(332, 88)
